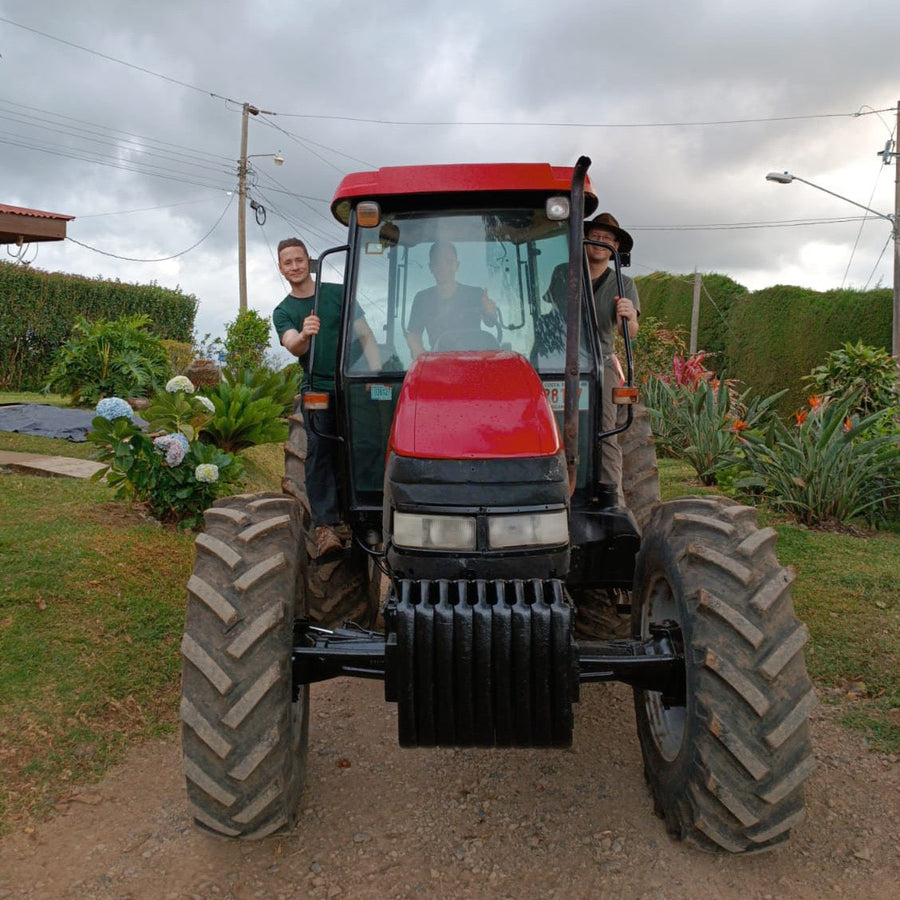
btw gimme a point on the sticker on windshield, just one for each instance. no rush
(380, 391)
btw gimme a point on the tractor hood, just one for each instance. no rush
(473, 405)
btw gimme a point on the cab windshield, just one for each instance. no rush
(466, 281)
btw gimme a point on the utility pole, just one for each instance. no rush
(896, 318)
(695, 313)
(246, 111)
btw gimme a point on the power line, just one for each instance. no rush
(878, 261)
(445, 123)
(162, 258)
(304, 141)
(87, 156)
(114, 59)
(126, 212)
(96, 128)
(488, 123)
(859, 231)
(116, 150)
(733, 226)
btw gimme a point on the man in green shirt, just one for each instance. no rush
(296, 325)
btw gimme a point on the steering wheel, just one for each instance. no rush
(499, 327)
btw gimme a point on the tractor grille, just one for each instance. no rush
(481, 663)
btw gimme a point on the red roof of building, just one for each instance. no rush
(19, 225)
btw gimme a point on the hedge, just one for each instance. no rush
(38, 308)
(769, 339)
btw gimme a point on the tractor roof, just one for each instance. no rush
(419, 186)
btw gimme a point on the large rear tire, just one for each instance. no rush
(244, 734)
(726, 770)
(339, 587)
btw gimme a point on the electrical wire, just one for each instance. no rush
(114, 59)
(442, 123)
(878, 261)
(70, 125)
(504, 124)
(867, 217)
(736, 226)
(304, 141)
(162, 258)
(126, 212)
(109, 162)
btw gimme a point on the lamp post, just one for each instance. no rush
(247, 110)
(787, 178)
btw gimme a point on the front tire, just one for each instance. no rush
(726, 770)
(244, 734)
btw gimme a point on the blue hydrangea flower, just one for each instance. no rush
(206, 403)
(175, 446)
(207, 473)
(114, 408)
(180, 383)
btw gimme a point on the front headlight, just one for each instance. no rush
(528, 530)
(434, 532)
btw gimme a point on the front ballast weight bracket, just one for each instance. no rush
(485, 663)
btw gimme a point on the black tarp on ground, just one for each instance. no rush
(44, 420)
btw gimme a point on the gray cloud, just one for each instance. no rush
(145, 157)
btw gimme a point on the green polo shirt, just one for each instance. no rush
(291, 312)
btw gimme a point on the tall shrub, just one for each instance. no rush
(246, 340)
(869, 372)
(120, 358)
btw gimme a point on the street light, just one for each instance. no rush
(787, 178)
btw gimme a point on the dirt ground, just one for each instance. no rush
(381, 822)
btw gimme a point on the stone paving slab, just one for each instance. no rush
(60, 466)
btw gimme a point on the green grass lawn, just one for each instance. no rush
(34, 397)
(92, 601)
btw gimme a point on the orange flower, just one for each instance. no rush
(847, 424)
(815, 402)
(739, 425)
(800, 416)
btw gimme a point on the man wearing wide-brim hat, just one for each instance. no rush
(612, 311)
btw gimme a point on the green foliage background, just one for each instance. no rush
(768, 339)
(38, 310)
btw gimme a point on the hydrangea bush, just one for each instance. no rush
(176, 476)
(179, 410)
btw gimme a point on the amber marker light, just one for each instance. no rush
(314, 400)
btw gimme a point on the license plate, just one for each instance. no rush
(556, 394)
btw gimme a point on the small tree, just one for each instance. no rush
(246, 340)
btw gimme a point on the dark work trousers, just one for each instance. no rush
(322, 467)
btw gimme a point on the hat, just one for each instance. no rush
(608, 222)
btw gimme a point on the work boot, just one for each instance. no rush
(327, 540)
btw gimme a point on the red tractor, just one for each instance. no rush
(472, 495)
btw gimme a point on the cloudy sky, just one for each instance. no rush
(128, 117)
